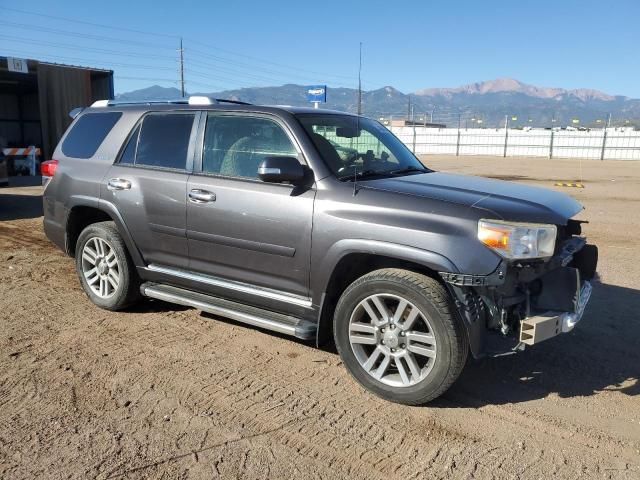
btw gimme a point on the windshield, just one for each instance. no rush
(359, 147)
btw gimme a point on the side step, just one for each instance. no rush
(257, 317)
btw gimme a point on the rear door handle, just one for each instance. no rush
(201, 196)
(119, 184)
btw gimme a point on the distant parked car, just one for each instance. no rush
(253, 213)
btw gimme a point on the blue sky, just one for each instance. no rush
(409, 45)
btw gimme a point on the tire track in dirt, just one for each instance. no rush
(235, 396)
(232, 395)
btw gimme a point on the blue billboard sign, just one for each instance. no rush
(317, 94)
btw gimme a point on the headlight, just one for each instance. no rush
(518, 240)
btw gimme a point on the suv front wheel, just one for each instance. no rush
(399, 337)
(106, 272)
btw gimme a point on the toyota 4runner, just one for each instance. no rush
(319, 225)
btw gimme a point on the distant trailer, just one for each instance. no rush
(36, 98)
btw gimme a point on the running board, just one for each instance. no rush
(236, 311)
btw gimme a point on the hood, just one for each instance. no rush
(503, 200)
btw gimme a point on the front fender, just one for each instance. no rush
(321, 275)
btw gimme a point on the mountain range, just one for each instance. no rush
(491, 101)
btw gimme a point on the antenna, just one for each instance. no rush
(360, 83)
(181, 68)
(355, 169)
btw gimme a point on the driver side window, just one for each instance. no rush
(235, 145)
(363, 149)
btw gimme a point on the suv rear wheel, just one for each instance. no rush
(399, 337)
(104, 267)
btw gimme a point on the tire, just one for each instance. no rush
(113, 284)
(434, 337)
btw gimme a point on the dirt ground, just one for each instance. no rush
(166, 392)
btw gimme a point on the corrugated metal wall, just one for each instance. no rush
(60, 90)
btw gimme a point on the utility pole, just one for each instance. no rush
(360, 83)
(181, 68)
(409, 109)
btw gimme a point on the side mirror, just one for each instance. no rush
(281, 169)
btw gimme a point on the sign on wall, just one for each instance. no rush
(17, 65)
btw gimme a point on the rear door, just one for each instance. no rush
(243, 229)
(148, 185)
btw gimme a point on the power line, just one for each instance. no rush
(126, 77)
(251, 67)
(265, 70)
(75, 20)
(348, 77)
(231, 71)
(76, 47)
(209, 86)
(200, 74)
(231, 66)
(176, 37)
(18, 52)
(39, 28)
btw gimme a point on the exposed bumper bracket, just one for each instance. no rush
(542, 327)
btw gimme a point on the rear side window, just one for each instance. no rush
(163, 141)
(88, 133)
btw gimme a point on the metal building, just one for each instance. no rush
(36, 98)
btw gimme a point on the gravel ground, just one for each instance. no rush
(166, 392)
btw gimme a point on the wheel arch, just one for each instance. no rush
(348, 260)
(86, 211)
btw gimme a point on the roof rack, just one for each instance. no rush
(193, 100)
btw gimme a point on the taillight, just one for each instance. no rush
(48, 168)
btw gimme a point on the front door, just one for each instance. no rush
(239, 228)
(148, 186)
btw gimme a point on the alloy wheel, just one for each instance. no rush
(392, 340)
(100, 267)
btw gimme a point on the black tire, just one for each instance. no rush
(128, 289)
(434, 302)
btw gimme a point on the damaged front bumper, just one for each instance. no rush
(549, 324)
(525, 303)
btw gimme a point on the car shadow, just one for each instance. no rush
(18, 207)
(152, 305)
(601, 353)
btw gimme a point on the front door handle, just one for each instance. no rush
(201, 196)
(119, 184)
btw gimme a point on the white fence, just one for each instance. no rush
(602, 144)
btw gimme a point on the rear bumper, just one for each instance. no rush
(538, 328)
(55, 232)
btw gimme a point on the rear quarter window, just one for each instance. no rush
(88, 133)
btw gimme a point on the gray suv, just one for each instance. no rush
(316, 224)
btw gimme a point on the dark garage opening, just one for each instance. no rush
(35, 106)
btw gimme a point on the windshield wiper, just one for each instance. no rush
(411, 169)
(364, 174)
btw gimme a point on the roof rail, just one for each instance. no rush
(236, 102)
(193, 100)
